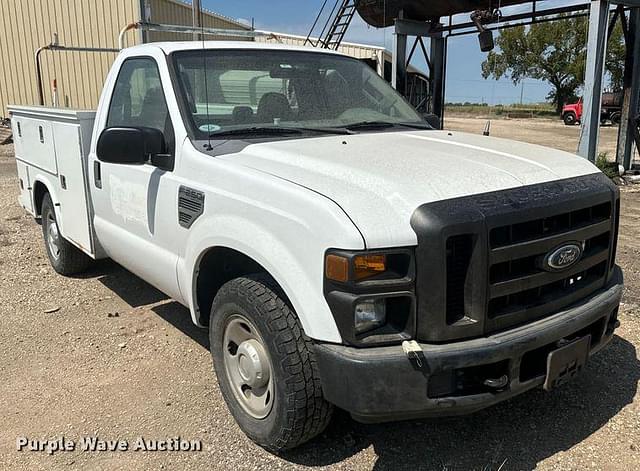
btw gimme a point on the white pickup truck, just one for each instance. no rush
(341, 251)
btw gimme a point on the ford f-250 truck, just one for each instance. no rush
(342, 252)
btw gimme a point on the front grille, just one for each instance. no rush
(459, 251)
(520, 289)
(479, 258)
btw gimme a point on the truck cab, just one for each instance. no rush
(572, 113)
(611, 110)
(341, 251)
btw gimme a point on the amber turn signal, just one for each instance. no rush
(337, 268)
(369, 265)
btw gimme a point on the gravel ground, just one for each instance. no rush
(107, 355)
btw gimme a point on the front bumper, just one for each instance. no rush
(381, 384)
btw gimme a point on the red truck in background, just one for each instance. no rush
(611, 110)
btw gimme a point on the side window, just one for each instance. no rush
(138, 98)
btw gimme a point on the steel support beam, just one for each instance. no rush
(631, 100)
(594, 75)
(197, 18)
(399, 62)
(437, 75)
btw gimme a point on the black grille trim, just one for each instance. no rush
(459, 251)
(580, 209)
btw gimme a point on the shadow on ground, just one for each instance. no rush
(180, 317)
(133, 290)
(137, 292)
(522, 431)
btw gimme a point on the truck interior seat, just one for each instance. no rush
(154, 110)
(273, 105)
(242, 115)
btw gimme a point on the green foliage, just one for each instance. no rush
(616, 51)
(530, 110)
(610, 169)
(554, 52)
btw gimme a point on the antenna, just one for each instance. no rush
(487, 128)
(206, 91)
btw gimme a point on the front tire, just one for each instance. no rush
(265, 365)
(570, 118)
(65, 258)
(616, 117)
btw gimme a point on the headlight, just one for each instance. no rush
(369, 314)
(371, 294)
(346, 267)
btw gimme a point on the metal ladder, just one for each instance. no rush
(336, 26)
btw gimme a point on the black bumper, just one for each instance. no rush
(381, 384)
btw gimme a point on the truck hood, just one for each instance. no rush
(379, 179)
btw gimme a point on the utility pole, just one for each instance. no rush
(197, 18)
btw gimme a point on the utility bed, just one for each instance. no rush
(52, 148)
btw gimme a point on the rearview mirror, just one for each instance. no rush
(133, 146)
(432, 120)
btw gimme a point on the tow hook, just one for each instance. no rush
(413, 351)
(497, 383)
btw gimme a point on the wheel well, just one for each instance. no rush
(217, 266)
(39, 190)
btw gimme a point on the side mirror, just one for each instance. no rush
(486, 40)
(133, 146)
(432, 120)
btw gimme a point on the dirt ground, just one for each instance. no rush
(107, 355)
(546, 132)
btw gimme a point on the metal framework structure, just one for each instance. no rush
(335, 26)
(140, 26)
(601, 21)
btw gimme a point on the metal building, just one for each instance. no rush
(26, 25)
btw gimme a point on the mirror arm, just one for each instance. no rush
(162, 161)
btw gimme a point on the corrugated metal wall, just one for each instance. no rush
(175, 12)
(26, 25)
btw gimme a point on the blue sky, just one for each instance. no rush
(464, 81)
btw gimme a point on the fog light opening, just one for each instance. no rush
(369, 314)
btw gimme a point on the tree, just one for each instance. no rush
(616, 51)
(554, 52)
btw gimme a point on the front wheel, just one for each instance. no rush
(615, 118)
(65, 258)
(570, 118)
(265, 364)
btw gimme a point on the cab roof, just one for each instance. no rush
(173, 46)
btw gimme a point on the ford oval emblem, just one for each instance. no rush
(563, 257)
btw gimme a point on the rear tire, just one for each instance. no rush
(615, 118)
(265, 364)
(65, 258)
(570, 118)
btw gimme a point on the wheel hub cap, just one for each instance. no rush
(252, 364)
(53, 237)
(248, 367)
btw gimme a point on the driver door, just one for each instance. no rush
(134, 204)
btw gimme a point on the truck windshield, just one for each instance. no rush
(261, 90)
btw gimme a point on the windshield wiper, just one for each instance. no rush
(385, 125)
(277, 130)
(260, 131)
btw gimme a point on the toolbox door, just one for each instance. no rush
(24, 199)
(72, 196)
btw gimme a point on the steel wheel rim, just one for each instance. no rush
(248, 366)
(53, 237)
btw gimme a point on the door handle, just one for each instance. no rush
(97, 175)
